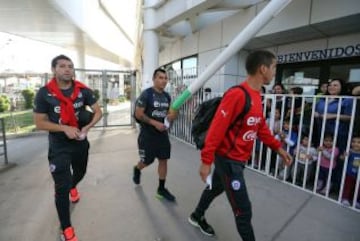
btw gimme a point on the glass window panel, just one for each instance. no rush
(306, 77)
(189, 70)
(346, 72)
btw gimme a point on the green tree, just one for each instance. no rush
(4, 103)
(28, 95)
(128, 92)
(97, 94)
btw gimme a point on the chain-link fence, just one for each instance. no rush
(114, 90)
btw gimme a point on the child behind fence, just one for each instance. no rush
(305, 158)
(326, 162)
(288, 138)
(352, 173)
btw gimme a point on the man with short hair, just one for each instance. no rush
(59, 108)
(151, 110)
(230, 148)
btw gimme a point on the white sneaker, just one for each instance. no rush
(281, 174)
(357, 205)
(345, 202)
(319, 185)
(323, 191)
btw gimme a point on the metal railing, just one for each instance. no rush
(3, 150)
(325, 173)
(115, 90)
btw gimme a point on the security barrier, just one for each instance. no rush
(115, 90)
(321, 165)
(3, 150)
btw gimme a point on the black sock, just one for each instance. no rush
(161, 184)
(198, 214)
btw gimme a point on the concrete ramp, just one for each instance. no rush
(112, 208)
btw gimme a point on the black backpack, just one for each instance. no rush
(149, 93)
(205, 113)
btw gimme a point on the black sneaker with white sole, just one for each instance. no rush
(136, 175)
(164, 193)
(201, 223)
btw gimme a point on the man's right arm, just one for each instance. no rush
(42, 122)
(140, 115)
(285, 156)
(41, 118)
(265, 136)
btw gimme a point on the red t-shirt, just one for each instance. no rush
(220, 140)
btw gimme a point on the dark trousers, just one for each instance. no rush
(349, 188)
(324, 174)
(68, 162)
(229, 177)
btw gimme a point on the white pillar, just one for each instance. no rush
(150, 43)
(81, 59)
(81, 56)
(80, 50)
(150, 57)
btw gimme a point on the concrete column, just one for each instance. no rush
(150, 43)
(150, 57)
(81, 57)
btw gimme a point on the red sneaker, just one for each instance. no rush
(74, 195)
(69, 234)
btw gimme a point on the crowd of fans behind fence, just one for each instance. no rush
(321, 125)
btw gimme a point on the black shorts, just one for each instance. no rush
(151, 147)
(63, 155)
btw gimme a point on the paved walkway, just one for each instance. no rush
(112, 208)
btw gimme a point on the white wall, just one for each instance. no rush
(231, 72)
(204, 59)
(303, 46)
(234, 24)
(296, 14)
(209, 42)
(165, 56)
(175, 50)
(211, 37)
(343, 40)
(323, 10)
(190, 44)
(317, 44)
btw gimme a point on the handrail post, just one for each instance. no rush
(4, 140)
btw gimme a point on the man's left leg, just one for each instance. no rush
(197, 218)
(162, 152)
(236, 192)
(79, 165)
(163, 192)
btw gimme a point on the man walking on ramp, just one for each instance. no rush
(230, 148)
(151, 109)
(60, 109)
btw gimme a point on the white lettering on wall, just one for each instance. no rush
(313, 55)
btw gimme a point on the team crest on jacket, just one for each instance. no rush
(52, 167)
(235, 184)
(249, 135)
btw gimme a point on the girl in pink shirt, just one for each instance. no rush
(328, 158)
